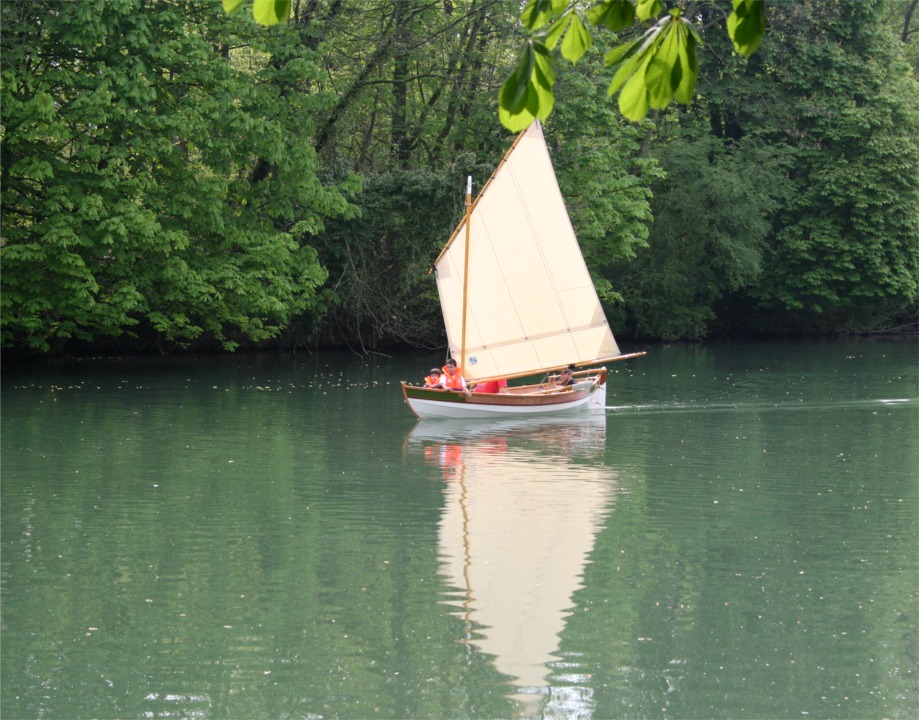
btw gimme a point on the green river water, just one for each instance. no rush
(276, 536)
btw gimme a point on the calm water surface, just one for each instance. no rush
(278, 537)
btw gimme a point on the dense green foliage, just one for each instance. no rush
(845, 244)
(381, 288)
(174, 175)
(800, 201)
(148, 185)
(707, 239)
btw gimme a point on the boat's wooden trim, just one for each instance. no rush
(521, 396)
(425, 393)
(588, 369)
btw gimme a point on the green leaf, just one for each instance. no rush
(626, 71)
(636, 58)
(513, 95)
(647, 9)
(657, 83)
(556, 30)
(621, 52)
(664, 58)
(614, 14)
(659, 70)
(513, 117)
(543, 80)
(747, 25)
(231, 5)
(270, 12)
(686, 69)
(597, 14)
(633, 100)
(527, 94)
(676, 76)
(577, 40)
(536, 14)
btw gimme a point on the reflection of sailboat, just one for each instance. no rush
(517, 297)
(523, 505)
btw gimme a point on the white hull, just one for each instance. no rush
(596, 401)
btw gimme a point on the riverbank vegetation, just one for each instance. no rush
(177, 177)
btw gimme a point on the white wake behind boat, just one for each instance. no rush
(517, 298)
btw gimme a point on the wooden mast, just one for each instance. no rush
(462, 357)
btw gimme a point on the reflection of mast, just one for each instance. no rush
(467, 558)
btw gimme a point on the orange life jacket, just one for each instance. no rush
(454, 381)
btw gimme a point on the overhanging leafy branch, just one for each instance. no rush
(658, 67)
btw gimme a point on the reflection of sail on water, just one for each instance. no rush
(517, 529)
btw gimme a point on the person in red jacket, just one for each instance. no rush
(491, 386)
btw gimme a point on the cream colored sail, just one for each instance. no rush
(531, 305)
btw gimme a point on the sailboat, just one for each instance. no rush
(518, 300)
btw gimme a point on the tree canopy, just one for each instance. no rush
(652, 69)
(148, 184)
(178, 176)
